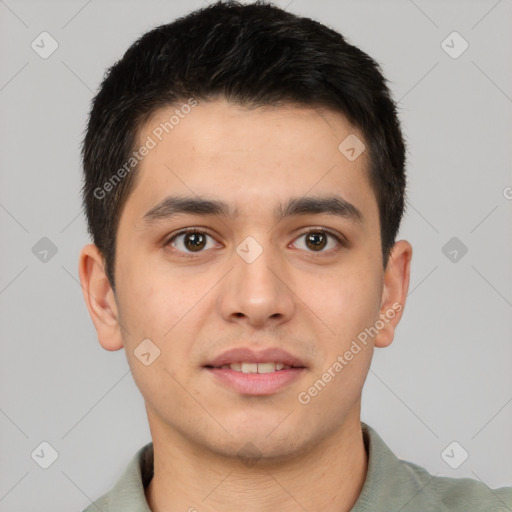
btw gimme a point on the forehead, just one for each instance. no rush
(259, 157)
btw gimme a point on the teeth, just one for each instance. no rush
(256, 367)
(266, 367)
(249, 367)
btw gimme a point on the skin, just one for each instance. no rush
(312, 304)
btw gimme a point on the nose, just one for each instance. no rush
(259, 292)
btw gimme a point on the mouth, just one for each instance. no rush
(248, 372)
(247, 367)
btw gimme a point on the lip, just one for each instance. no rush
(255, 384)
(247, 355)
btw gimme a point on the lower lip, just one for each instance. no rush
(256, 383)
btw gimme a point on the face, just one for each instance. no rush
(257, 315)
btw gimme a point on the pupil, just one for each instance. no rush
(194, 241)
(317, 240)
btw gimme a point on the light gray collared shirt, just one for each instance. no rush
(391, 485)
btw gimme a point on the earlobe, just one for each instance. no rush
(99, 297)
(394, 293)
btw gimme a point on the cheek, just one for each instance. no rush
(346, 301)
(156, 301)
(170, 309)
(164, 311)
(345, 308)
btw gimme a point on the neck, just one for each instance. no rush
(328, 476)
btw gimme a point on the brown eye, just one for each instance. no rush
(194, 241)
(190, 241)
(316, 241)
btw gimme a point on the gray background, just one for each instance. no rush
(448, 375)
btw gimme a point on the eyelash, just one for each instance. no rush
(339, 239)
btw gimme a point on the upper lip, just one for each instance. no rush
(247, 355)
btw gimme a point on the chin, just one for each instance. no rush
(263, 444)
(251, 450)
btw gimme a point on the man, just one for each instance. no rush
(244, 185)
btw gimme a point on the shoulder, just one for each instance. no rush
(395, 484)
(454, 494)
(99, 504)
(128, 495)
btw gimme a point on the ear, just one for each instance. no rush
(394, 292)
(99, 297)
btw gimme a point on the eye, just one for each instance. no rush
(191, 241)
(317, 239)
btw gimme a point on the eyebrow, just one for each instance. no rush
(172, 206)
